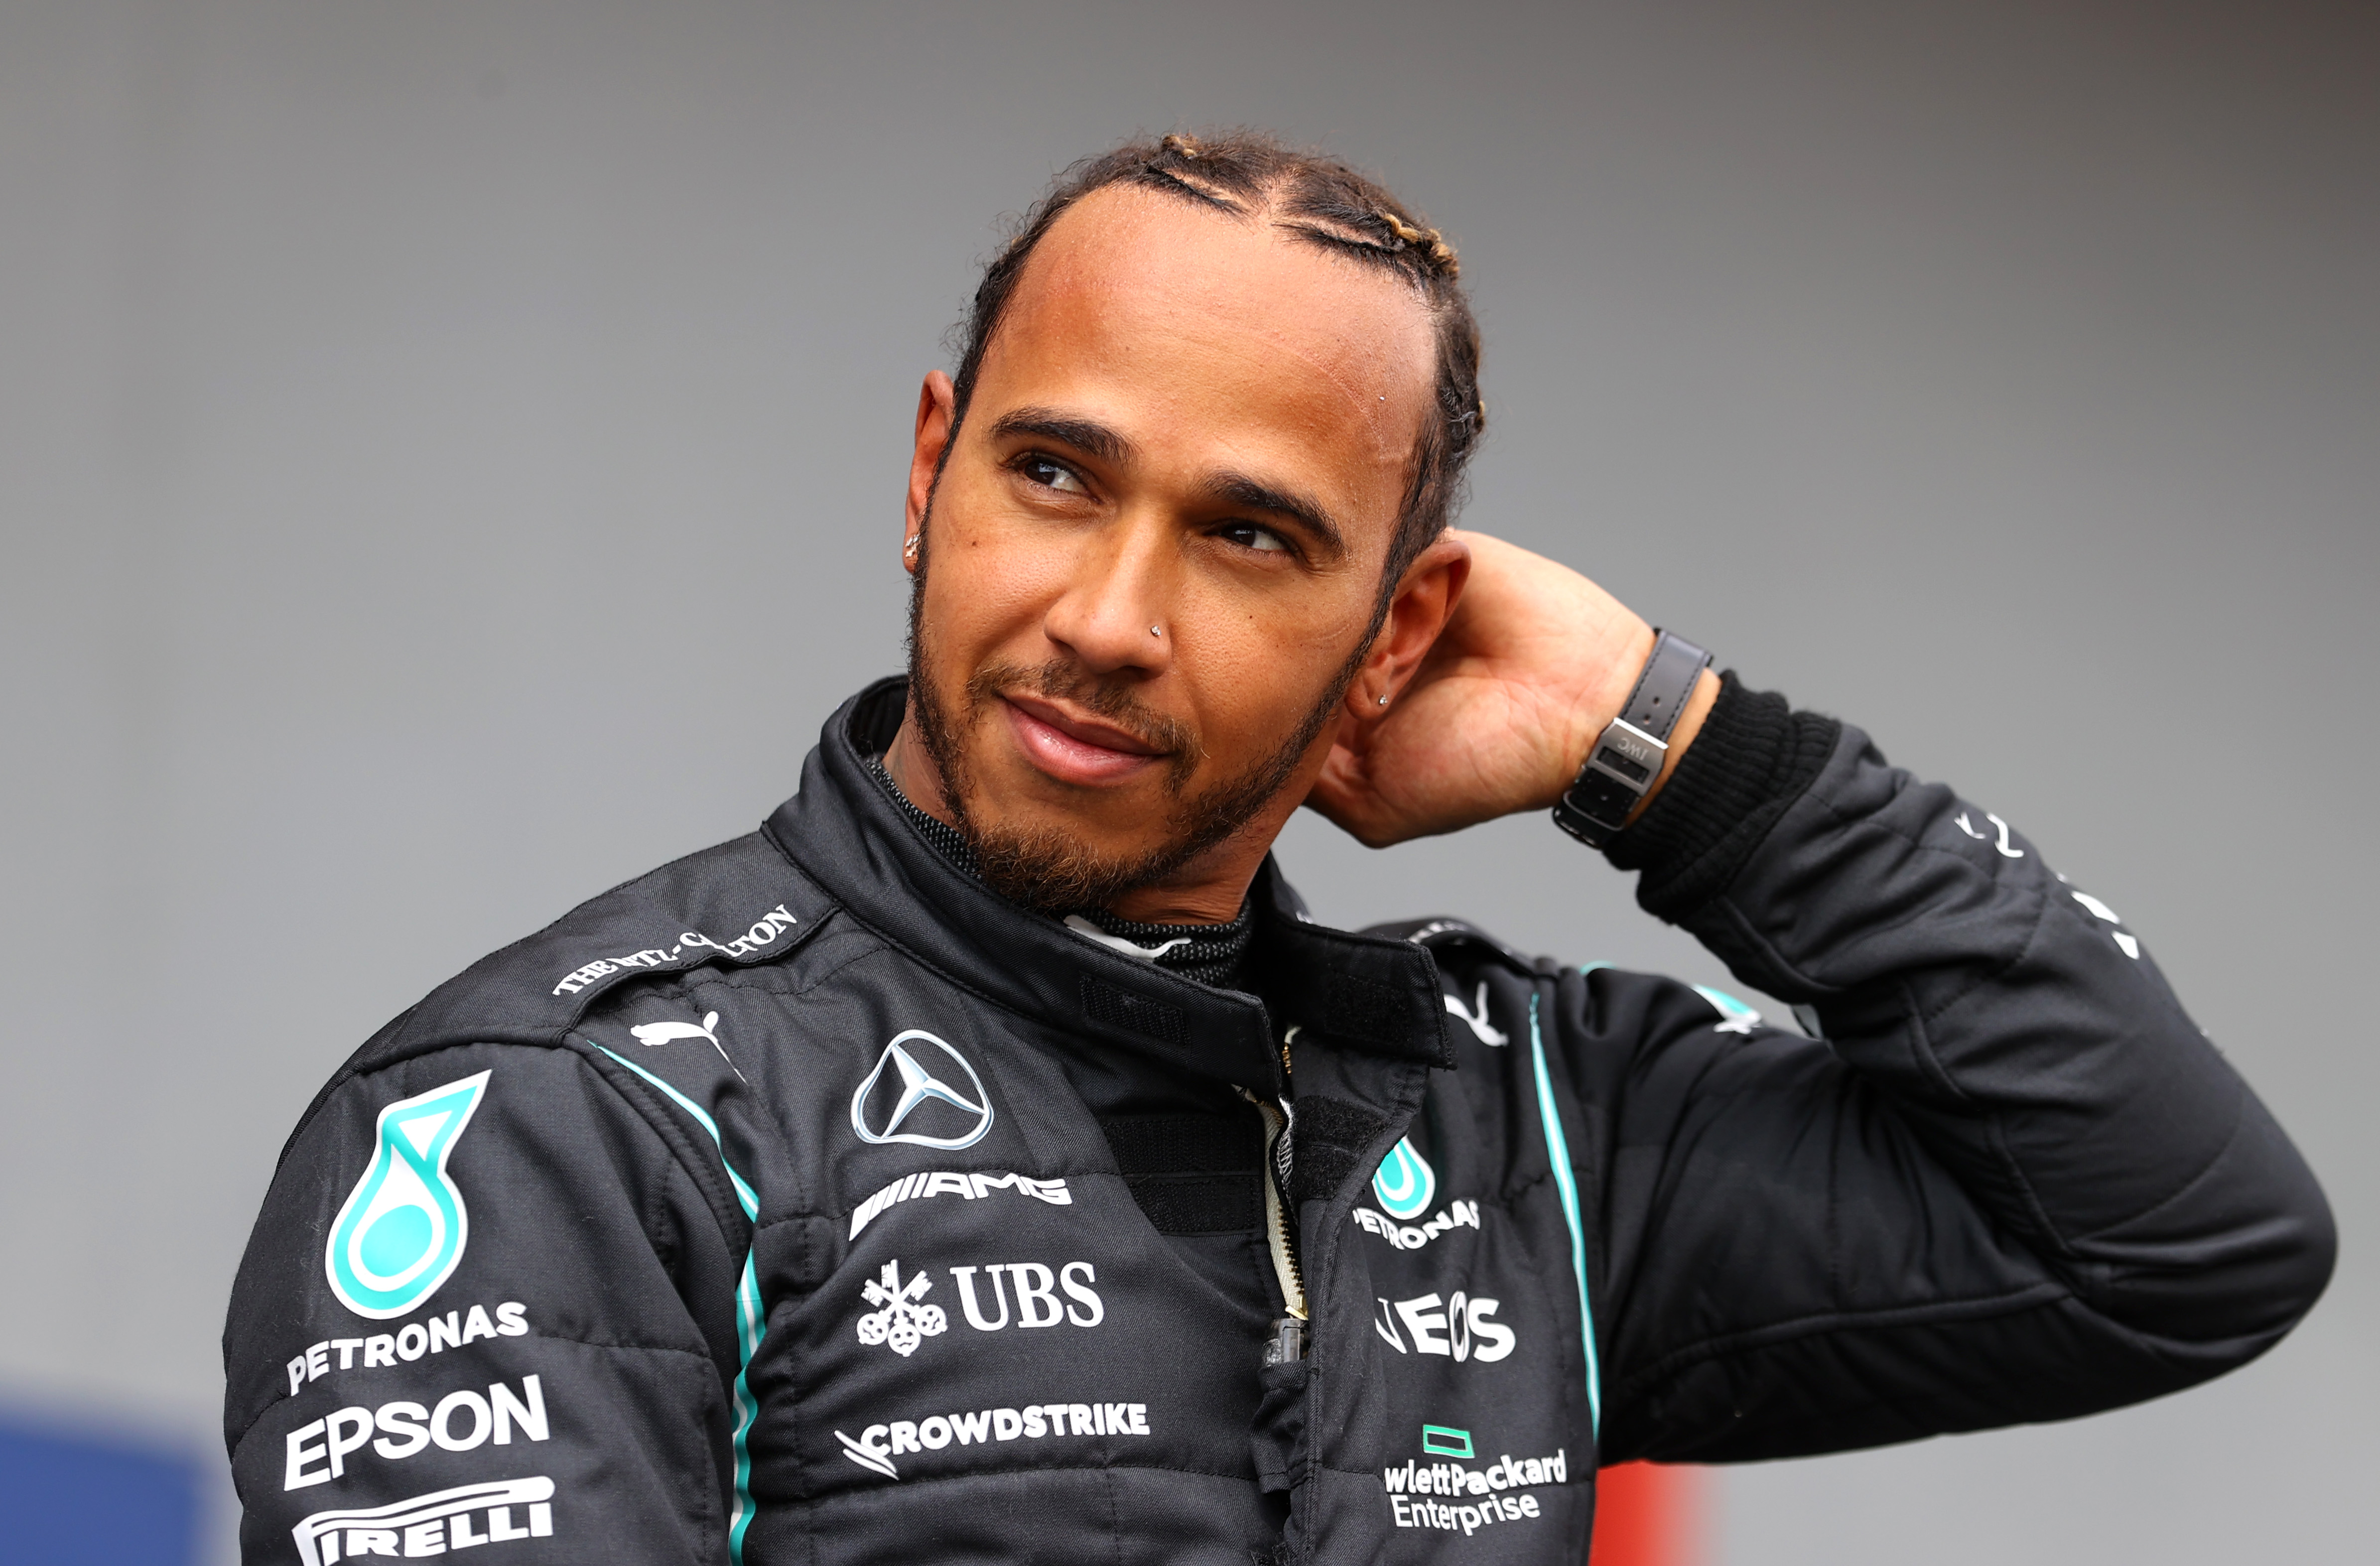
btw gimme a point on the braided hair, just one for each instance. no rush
(1320, 201)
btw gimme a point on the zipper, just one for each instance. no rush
(1278, 1215)
(1288, 1340)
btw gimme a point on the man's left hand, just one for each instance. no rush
(1498, 717)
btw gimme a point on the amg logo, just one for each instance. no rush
(942, 1183)
(431, 1524)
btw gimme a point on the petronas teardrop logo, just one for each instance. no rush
(403, 1228)
(1404, 1182)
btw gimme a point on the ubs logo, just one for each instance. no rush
(963, 1121)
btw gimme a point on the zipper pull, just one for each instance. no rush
(1287, 1345)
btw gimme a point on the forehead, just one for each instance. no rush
(1189, 328)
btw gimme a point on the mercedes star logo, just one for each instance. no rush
(919, 1086)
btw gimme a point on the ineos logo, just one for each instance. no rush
(919, 1086)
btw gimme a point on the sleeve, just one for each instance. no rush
(491, 1297)
(2012, 1181)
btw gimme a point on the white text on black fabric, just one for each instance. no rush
(771, 924)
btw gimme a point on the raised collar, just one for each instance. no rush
(1360, 993)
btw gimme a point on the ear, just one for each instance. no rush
(935, 401)
(1423, 603)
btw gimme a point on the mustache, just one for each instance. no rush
(1061, 681)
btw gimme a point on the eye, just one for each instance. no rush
(1247, 535)
(1051, 473)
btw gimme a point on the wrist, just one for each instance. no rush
(1618, 661)
(1754, 755)
(1690, 724)
(1632, 756)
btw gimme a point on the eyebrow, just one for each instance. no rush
(1083, 434)
(1239, 489)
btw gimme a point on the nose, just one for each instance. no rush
(1113, 615)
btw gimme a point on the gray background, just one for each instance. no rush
(451, 459)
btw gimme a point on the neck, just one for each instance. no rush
(1196, 894)
(1209, 890)
(915, 775)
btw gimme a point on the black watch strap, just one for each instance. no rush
(1626, 757)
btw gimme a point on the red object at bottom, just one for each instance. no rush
(1645, 1515)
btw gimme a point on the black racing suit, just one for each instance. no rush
(804, 1201)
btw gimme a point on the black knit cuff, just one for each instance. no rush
(1753, 756)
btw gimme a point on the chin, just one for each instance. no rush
(1100, 823)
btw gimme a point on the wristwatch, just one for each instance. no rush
(1626, 757)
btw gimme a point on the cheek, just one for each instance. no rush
(988, 587)
(1259, 669)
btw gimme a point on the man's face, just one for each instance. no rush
(1157, 542)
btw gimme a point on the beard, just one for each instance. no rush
(1049, 869)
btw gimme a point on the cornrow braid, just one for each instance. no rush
(1442, 254)
(1319, 200)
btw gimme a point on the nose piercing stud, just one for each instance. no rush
(1155, 632)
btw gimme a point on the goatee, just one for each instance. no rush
(1048, 868)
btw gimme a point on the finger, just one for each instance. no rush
(1342, 794)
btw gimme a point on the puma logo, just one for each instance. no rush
(1477, 1015)
(1734, 1015)
(667, 1032)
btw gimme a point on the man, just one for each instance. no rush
(988, 1161)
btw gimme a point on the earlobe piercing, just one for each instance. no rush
(1384, 701)
(909, 549)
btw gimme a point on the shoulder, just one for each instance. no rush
(738, 902)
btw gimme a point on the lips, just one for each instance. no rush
(1075, 748)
